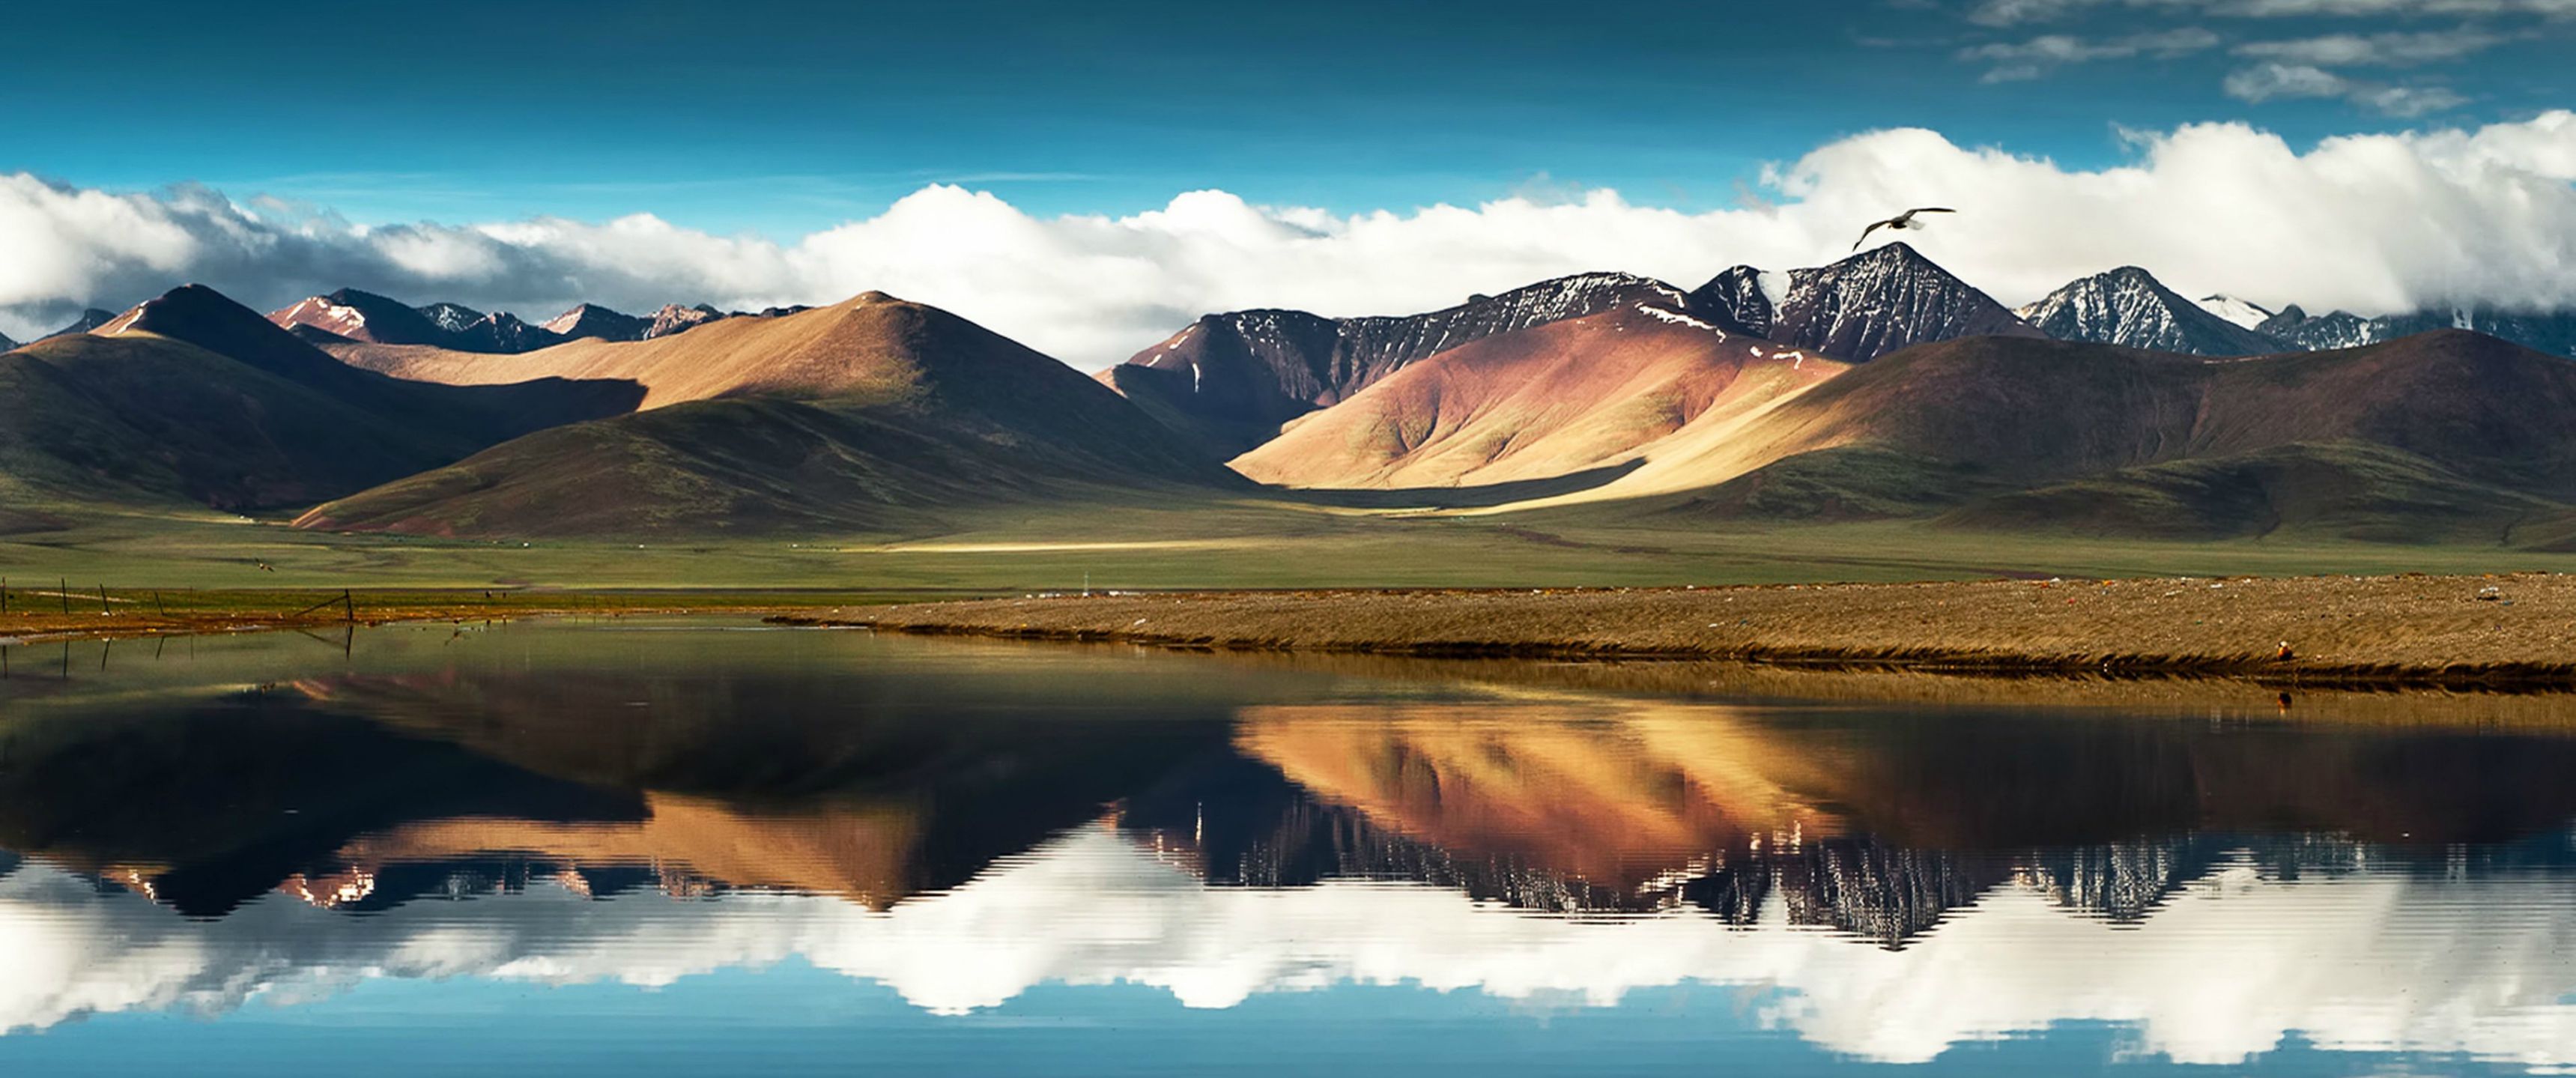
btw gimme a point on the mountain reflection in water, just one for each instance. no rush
(966, 822)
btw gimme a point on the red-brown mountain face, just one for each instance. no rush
(365, 316)
(1235, 378)
(1551, 400)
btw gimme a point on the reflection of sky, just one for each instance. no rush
(2234, 967)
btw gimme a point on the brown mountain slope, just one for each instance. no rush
(1540, 402)
(194, 398)
(1232, 379)
(1965, 420)
(872, 346)
(874, 415)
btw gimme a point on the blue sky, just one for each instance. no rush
(785, 117)
(1045, 168)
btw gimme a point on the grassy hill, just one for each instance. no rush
(2441, 437)
(192, 399)
(874, 416)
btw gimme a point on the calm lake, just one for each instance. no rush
(710, 847)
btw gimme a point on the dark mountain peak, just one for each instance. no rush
(1883, 299)
(2548, 331)
(2127, 306)
(352, 297)
(595, 321)
(1579, 287)
(673, 318)
(504, 333)
(89, 319)
(6, 344)
(1899, 253)
(2337, 329)
(1748, 297)
(355, 315)
(1856, 309)
(210, 320)
(450, 317)
(362, 316)
(1894, 261)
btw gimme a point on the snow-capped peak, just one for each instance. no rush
(450, 317)
(2246, 315)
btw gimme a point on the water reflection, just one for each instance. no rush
(964, 823)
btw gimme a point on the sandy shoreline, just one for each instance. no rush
(2403, 630)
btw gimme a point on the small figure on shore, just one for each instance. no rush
(2283, 655)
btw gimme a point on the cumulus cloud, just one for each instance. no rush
(2033, 58)
(2234, 966)
(2370, 222)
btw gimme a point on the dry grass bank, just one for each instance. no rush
(2410, 629)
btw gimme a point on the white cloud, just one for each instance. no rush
(2263, 82)
(2032, 58)
(2376, 50)
(2370, 222)
(2235, 966)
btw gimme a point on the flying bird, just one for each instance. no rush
(1900, 221)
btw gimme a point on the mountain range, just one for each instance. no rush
(1880, 386)
(2129, 307)
(349, 316)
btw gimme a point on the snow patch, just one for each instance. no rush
(1774, 286)
(2246, 315)
(1679, 319)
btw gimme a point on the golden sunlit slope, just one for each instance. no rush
(1540, 402)
(1615, 791)
(865, 853)
(2452, 431)
(872, 346)
(873, 415)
